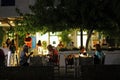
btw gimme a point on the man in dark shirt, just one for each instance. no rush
(2, 58)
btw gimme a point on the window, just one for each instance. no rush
(7, 2)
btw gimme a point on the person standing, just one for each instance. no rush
(39, 47)
(99, 56)
(12, 50)
(6, 52)
(28, 40)
(8, 42)
(2, 58)
(24, 56)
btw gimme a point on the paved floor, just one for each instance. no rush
(63, 75)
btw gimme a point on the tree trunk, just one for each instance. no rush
(89, 36)
(81, 37)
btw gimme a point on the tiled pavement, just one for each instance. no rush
(63, 75)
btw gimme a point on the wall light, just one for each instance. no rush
(11, 22)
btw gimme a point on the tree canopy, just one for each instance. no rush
(59, 15)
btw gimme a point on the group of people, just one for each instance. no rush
(26, 51)
(99, 56)
(8, 51)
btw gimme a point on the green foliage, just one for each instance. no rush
(65, 36)
(44, 45)
(72, 14)
(52, 16)
(46, 16)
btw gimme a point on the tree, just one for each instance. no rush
(60, 15)
(65, 37)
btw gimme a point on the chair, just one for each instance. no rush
(36, 60)
(86, 60)
(69, 64)
(54, 61)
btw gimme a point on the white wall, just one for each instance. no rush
(9, 11)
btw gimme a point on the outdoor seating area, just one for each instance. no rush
(77, 68)
(59, 39)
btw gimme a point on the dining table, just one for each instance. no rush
(64, 54)
(79, 59)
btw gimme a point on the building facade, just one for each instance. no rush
(8, 7)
